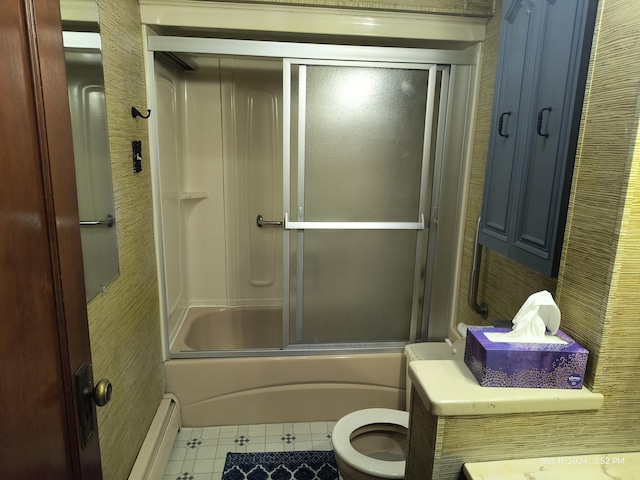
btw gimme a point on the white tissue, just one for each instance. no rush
(537, 315)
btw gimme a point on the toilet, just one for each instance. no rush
(371, 443)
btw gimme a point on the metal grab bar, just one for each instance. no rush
(109, 222)
(262, 222)
(482, 310)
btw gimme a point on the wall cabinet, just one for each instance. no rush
(542, 66)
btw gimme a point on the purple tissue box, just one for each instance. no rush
(528, 365)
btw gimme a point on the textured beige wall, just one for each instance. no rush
(597, 285)
(600, 269)
(479, 8)
(124, 322)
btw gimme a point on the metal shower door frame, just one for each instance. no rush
(449, 60)
(300, 226)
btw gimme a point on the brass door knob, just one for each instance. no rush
(101, 393)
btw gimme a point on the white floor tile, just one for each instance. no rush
(320, 437)
(319, 445)
(218, 465)
(173, 467)
(201, 476)
(301, 428)
(211, 432)
(273, 429)
(224, 449)
(257, 430)
(191, 454)
(318, 427)
(256, 447)
(228, 431)
(203, 466)
(178, 453)
(300, 446)
(206, 452)
(187, 465)
(306, 438)
(274, 447)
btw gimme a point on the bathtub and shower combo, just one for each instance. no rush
(308, 218)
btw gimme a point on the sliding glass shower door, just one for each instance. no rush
(358, 161)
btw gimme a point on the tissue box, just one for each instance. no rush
(528, 365)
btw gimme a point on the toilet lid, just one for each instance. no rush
(344, 428)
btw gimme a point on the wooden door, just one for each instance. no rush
(43, 321)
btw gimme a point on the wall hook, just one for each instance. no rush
(136, 113)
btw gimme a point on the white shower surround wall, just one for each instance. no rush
(208, 249)
(465, 32)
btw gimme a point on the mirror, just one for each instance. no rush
(87, 105)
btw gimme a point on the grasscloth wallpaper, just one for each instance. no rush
(124, 322)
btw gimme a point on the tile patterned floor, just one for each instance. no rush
(200, 453)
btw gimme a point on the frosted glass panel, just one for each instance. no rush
(357, 286)
(363, 143)
(357, 152)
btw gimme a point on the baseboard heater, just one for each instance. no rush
(154, 453)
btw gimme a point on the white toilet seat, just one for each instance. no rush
(344, 428)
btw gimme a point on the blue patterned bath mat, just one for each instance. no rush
(304, 465)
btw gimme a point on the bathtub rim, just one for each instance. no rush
(297, 350)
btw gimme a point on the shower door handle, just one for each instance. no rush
(109, 222)
(262, 222)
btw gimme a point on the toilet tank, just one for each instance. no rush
(431, 351)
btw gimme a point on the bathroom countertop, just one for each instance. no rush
(594, 467)
(447, 388)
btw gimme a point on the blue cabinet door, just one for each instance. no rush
(514, 40)
(527, 184)
(552, 130)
